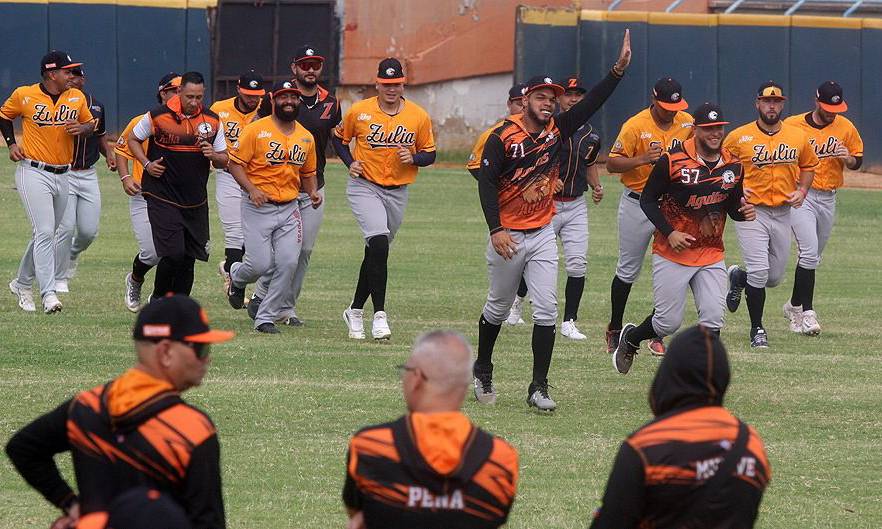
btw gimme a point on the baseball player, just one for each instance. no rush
(393, 139)
(84, 201)
(838, 145)
(577, 173)
(519, 174)
(515, 106)
(689, 193)
(319, 113)
(641, 142)
(273, 160)
(184, 138)
(779, 165)
(146, 257)
(234, 114)
(52, 113)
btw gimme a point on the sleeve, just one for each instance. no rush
(855, 143)
(626, 143)
(425, 139)
(352, 496)
(201, 493)
(345, 130)
(492, 160)
(657, 185)
(309, 167)
(32, 452)
(11, 108)
(101, 129)
(624, 499)
(475, 157)
(342, 150)
(144, 128)
(337, 116)
(808, 160)
(7, 130)
(220, 142)
(243, 151)
(122, 144)
(593, 149)
(85, 113)
(570, 121)
(730, 143)
(733, 202)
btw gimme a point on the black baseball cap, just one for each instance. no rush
(280, 87)
(830, 97)
(169, 80)
(709, 115)
(176, 317)
(543, 81)
(668, 94)
(145, 508)
(574, 84)
(78, 71)
(390, 71)
(57, 60)
(306, 53)
(770, 90)
(251, 84)
(517, 91)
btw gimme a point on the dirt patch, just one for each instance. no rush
(861, 180)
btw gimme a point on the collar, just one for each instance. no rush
(174, 104)
(692, 152)
(811, 122)
(519, 121)
(764, 131)
(440, 438)
(133, 390)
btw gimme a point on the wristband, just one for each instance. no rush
(123, 177)
(148, 163)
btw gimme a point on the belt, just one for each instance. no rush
(390, 188)
(635, 196)
(49, 168)
(529, 230)
(567, 199)
(277, 203)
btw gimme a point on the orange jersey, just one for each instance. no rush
(828, 174)
(43, 135)
(122, 149)
(232, 121)
(274, 161)
(772, 163)
(478, 150)
(378, 135)
(640, 133)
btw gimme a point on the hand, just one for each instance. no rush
(558, 186)
(111, 162)
(155, 168)
(69, 520)
(75, 128)
(258, 197)
(316, 199)
(680, 241)
(15, 153)
(504, 244)
(207, 149)
(653, 154)
(747, 210)
(404, 155)
(131, 187)
(356, 169)
(624, 55)
(597, 194)
(356, 521)
(795, 199)
(841, 151)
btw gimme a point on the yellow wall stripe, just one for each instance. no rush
(549, 17)
(798, 21)
(627, 16)
(593, 15)
(753, 20)
(872, 23)
(682, 19)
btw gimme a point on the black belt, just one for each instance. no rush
(390, 188)
(54, 169)
(635, 196)
(277, 203)
(531, 230)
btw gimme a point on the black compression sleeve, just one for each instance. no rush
(859, 160)
(656, 186)
(424, 158)
(204, 502)
(475, 172)
(31, 451)
(342, 150)
(8, 131)
(624, 499)
(488, 181)
(733, 202)
(568, 122)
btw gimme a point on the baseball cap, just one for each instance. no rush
(543, 81)
(169, 80)
(517, 91)
(78, 71)
(770, 90)
(668, 94)
(307, 52)
(280, 87)
(574, 83)
(57, 60)
(390, 71)
(830, 97)
(176, 317)
(145, 508)
(251, 84)
(709, 115)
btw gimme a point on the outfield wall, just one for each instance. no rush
(126, 45)
(721, 58)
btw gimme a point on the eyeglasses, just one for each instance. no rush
(200, 349)
(404, 368)
(310, 65)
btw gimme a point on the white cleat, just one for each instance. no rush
(133, 294)
(514, 315)
(25, 296)
(62, 286)
(794, 316)
(380, 329)
(51, 304)
(354, 319)
(569, 329)
(810, 325)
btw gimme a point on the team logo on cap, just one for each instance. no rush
(204, 128)
(310, 51)
(675, 96)
(156, 330)
(572, 83)
(253, 84)
(835, 99)
(713, 115)
(287, 84)
(390, 71)
(524, 90)
(547, 80)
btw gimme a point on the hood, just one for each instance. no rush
(440, 438)
(135, 396)
(694, 372)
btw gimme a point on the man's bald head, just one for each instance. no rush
(444, 362)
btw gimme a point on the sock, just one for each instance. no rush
(644, 331)
(619, 292)
(163, 280)
(522, 288)
(803, 288)
(756, 300)
(233, 255)
(378, 258)
(362, 289)
(139, 269)
(575, 287)
(487, 334)
(543, 345)
(186, 272)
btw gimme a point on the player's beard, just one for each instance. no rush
(304, 82)
(707, 150)
(284, 115)
(770, 121)
(246, 106)
(536, 117)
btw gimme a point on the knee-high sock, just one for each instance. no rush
(756, 301)
(139, 269)
(543, 345)
(186, 272)
(233, 255)
(487, 334)
(803, 289)
(618, 293)
(164, 279)
(522, 288)
(378, 258)
(362, 289)
(573, 292)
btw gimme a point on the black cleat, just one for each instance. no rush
(236, 296)
(758, 338)
(737, 281)
(253, 306)
(292, 321)
(623, 356)
(268, 328)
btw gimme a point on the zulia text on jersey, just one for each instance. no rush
(783, 154)
(43, 118)
(379, 138)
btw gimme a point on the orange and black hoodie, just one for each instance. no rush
(133, 431)
(660, 470)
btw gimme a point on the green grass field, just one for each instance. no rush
(286, 405)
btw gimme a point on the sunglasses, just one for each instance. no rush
(310, 65)
(201, 349)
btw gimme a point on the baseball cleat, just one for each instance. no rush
(569, 329)
(485, 393)
(253, 306)
(737, 280)
(224, 275)
(354, 319)
(62, 286)
(267, 328)
(236, 296)
(794, 316)
(612, 339)
(810, 325)
(380, 329)
(25, 296)
(514, 314)
(539, 398)
(292, 321)
(133, 293)
(51, 304)
(623, 356)
(758, 338)
(657, 347)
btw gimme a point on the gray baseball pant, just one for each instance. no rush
(811, 224)
(571, 227)
(275, 234)
(765, 245)
(378, 211)
(228, 195)
(635, 232)
(79, 226)
(669, 283)
(142, 229)
(535, 261)
(44, 196)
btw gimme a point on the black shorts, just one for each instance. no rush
(177, 230)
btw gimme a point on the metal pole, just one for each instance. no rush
(673, 6)
(793, 9)
(853, 8)
(735, 5)
(614, 5)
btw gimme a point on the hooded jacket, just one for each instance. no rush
(661, 469)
